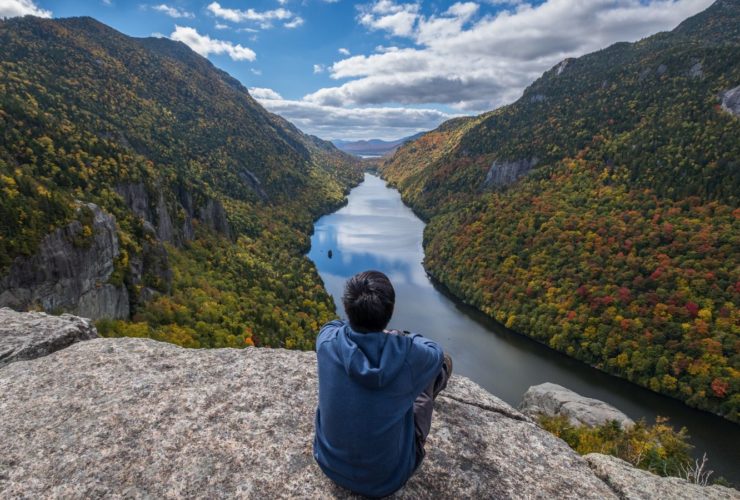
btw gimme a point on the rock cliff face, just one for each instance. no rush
(552, 399)
(502, 174)
(140, 419)
(158, 215)
(70, 271)
(731, 101)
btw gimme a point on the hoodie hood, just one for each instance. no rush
(373, 359)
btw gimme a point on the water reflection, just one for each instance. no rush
(375, 230)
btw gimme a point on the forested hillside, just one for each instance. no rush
(213, 197)
(599, 213)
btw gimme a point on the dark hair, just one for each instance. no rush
(368, 301)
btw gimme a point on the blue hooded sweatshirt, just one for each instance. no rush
(365, 420)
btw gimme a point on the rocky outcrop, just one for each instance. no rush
(135, 418)
(731, 101)
(213, 215)
(552, 399)
(254, 183)
(70, 271)
(146, 419)
(696, 70)
(629, 482)
(25, 336)
(136, 197)
(505, 173)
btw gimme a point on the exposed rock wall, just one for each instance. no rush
(254, 182)
(552, 399)
(211, 213)
(731, 101)
(505, 173)
(70, 272)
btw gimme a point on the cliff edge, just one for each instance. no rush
(137, 418)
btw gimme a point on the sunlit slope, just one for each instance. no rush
(599, 212)
(144, 127)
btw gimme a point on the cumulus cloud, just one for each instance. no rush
(263, 18)
(318, 68)
(343, 51)
(350, 123)
(475, 61)
(298, 21)
(173, 11)
(14, 8)
(398, 19)
(264, 93)
(205, 45)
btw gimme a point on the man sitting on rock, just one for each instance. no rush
(376, 392)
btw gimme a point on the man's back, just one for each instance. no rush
(365, 421)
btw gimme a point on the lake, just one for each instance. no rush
(375, 230)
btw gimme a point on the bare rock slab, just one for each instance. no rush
(137, 418)
(631, 483)
(553, 400)
(25, 336)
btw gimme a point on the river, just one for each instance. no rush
(375, 230)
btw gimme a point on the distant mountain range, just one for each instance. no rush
(373, 147)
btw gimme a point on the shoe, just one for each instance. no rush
(447, 364)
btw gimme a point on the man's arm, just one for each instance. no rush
(425, 358)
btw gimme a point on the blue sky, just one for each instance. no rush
(381, 68)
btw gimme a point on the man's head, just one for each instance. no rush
(368, 301)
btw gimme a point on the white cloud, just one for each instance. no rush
(263, 93)
(343, 51)
(220, 26)
(173, 11)
(298, 21)
(14, 8)
(350, 123)
(205, 45)
(386, 15)
(478, 62)
(263, 18)
(318, 68)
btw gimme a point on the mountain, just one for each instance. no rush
(599, 212)
(373, 147)
(144, 187)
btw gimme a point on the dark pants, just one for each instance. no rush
(423, 408)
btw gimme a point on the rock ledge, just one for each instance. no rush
(136, 418)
